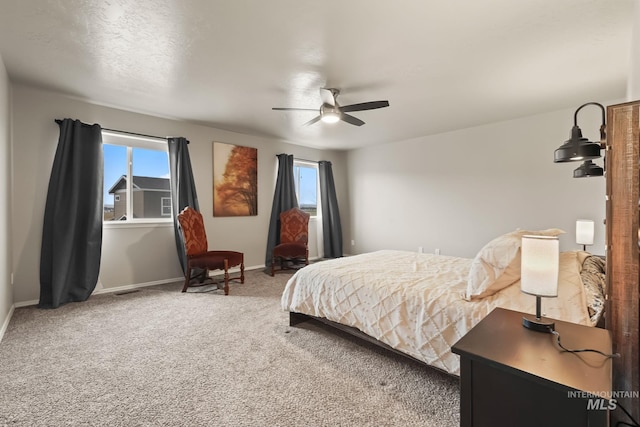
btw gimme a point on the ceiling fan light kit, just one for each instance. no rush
(332, 112)
(329, 114)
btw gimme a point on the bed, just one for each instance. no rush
(421, 304)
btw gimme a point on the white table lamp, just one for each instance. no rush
(584, 232)
(540, 265)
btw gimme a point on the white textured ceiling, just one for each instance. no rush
(443, 65)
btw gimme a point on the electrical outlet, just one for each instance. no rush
(420, 249)
(353, 243)
(437, 251)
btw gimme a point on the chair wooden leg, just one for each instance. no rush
(187, 278)
(273, 268)
(202, 276)
(242, 272)
(226, 277)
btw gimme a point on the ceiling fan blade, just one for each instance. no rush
(365, 106)
(327, 97)
(312, 121)
(351, 120)
(295, 109)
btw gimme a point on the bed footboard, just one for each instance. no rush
(295, 318)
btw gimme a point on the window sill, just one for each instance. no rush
(137, 224)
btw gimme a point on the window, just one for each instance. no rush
(165, 206)
(305, 175)
(147, 195)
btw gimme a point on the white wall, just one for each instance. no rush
(633, 88)
(6, 290)
(137, 255)
(458, 190)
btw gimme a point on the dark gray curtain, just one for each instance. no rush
(72, 229)
(183, 188)
(284, 198)
(331, 226)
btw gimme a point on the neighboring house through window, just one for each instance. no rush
(305, 175)
(136, 179)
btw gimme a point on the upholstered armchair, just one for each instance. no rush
(294, 236)
(198, 253)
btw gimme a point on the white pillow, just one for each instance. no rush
(497, 265)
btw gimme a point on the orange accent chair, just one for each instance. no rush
(199, 255)
(294, 236)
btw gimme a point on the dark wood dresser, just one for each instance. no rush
(513, 376)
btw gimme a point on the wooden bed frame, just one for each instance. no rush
(297, 318)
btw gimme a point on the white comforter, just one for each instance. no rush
(414, 302)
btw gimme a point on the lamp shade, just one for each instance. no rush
(588, 169)
(584, 232)
(330, 117)
(329, 114)
(540, 265)
(577, 148)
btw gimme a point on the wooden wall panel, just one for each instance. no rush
(623, 253)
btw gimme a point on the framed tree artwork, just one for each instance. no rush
(235, 180)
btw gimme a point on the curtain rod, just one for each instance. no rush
(135, 134)
(129, 133)
(140, 134)
(305, 160)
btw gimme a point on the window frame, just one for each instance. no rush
(313, 165)
(162, 207)
(130, 142)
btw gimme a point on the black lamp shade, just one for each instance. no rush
(577, 148)
(588, 169)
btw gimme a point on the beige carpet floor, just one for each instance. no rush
(159, 357)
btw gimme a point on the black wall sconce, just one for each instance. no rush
(587, 169)
(579, 148)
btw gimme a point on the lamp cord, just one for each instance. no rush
(582, 350)
(608, 356)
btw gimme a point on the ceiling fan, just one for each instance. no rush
(332, 112)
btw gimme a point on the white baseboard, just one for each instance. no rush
(26, 303)
(135, 286)
(138, 285)
(5, 324)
